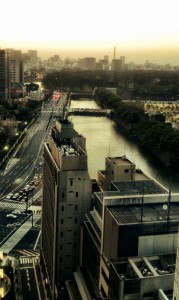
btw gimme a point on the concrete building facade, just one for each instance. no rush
(136, 220)
(66, 198)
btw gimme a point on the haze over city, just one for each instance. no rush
(140, 30)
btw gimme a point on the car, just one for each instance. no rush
(36, 176)
(20, 197)
(11, 216)
(15, 196)
(24, 199)
(9, 196)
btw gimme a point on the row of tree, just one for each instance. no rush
(153, 132)
(157, 85)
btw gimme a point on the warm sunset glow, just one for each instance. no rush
(89, 26)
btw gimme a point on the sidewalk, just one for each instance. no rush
(18, 235)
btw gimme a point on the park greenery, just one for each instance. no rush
(135, 85)
(151, 131)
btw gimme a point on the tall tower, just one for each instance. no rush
(67, 193)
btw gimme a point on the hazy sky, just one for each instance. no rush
(139, 29)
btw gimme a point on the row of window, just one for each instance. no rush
(74, 258)
(76, 194)
(62, 246)
(63, 208)
(62, 220)
(62, 233)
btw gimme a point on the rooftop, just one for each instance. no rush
(142, 267)
(128, 214)
(138, 187)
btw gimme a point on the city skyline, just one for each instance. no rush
(140, 31)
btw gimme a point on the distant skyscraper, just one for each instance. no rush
(32, 53)
(87, 63)
(4, 75)
(116, 65)
(122, 58)
(66, 198)
(16, 66)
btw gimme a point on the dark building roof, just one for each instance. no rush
(150, 213)
(138, 187)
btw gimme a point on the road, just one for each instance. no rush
(27, 156)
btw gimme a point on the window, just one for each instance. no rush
(126, 170)
(62, 208)
(63, 195)
(61, 247)
(60, 259)
(75, 233)
(61, 221)
(76, 194)
(76, 220)
(76, 207)
(61, 233)
(71, 181)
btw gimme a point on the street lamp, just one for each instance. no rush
(6, 148)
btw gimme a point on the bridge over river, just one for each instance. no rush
(89, 112)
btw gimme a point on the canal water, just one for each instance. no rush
(104, 138)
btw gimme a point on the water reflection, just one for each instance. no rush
(104, 138)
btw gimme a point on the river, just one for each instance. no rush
(104, 138)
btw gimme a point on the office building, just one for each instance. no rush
(116, 65)
(134, 219)
(16, 66)
(67, 193)
(32, 54)
(87, 63)
(4, 75)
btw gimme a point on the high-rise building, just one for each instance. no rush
(67, 193)
(16, 66)
(134, 223)
(116, 65)
(32, 54)
(4, 75)
(87, 63)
